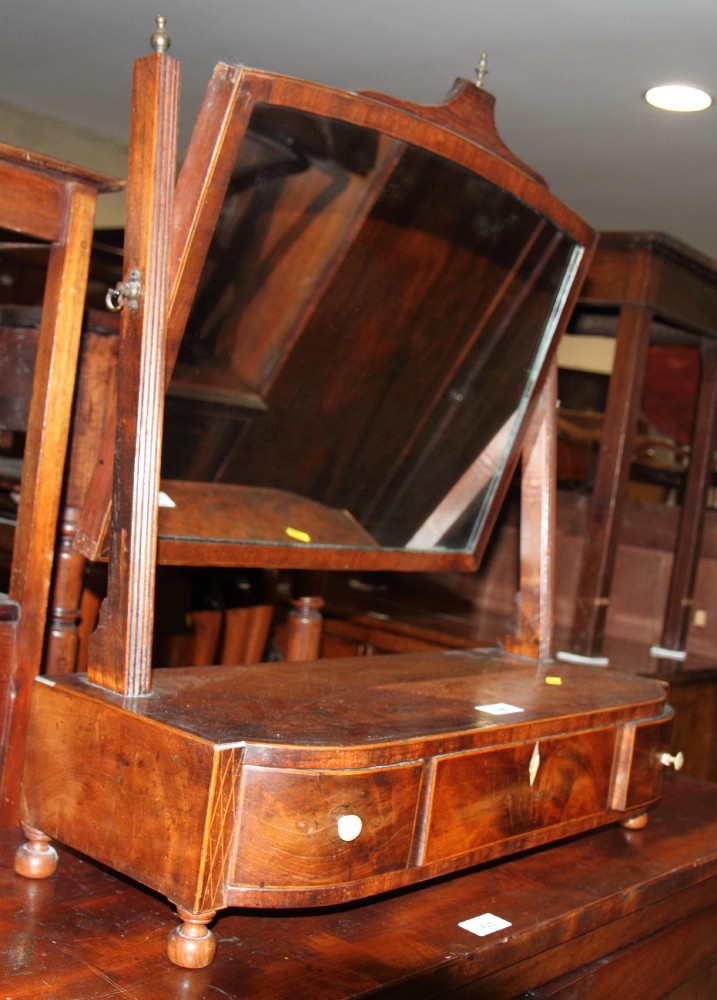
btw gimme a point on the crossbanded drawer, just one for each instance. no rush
(487, 795)
(318, 827)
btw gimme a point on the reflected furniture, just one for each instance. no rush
(358, 300)
(648, 289)
(97, 368)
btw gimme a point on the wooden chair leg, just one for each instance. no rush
(303, 629)
(246, 631)
(64, 613)
(206, 628)
(94, 587)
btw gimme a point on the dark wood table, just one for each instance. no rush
(609, 914)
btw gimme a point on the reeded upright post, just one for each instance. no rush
(120, 653)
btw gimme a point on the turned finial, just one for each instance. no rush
(481, 69)
(160, 39)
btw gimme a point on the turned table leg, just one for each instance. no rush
(303, 629)
(192, 945)
(36, 858)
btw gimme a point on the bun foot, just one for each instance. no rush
(635, 822)
(36, 858)
(192, 945)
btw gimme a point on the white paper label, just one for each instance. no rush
(486, 923)
(499, 708)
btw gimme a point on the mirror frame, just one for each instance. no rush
(461, 131)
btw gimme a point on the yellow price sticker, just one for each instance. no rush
(555, 681)
(299, 536)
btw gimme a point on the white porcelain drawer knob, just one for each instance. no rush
(677, 760)
(349, 827)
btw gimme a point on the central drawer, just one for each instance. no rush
(491, 795)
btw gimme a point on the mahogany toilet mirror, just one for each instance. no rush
(357, 300)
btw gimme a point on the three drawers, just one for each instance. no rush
(315, 828)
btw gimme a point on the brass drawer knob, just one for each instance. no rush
(676, 760)
(349, 827)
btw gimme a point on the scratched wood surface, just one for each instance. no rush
(606, 914)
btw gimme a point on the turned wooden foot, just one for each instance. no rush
(36, 858)
(192, 945)
(635, 822)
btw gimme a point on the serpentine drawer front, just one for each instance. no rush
(312, 828)
(301, 828)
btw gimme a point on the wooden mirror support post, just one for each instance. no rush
(121, 650)
(121, 646)
(532, 633)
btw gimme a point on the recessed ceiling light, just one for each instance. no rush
(676, 97)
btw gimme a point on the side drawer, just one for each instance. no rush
(293, 831)
(640, 769)
(487, 796)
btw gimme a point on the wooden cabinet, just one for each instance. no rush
(658, 299)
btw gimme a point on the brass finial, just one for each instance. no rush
(160, 39)
(481, 69)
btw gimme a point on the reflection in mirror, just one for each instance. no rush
(364, 339)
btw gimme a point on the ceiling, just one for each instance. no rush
(567, 75)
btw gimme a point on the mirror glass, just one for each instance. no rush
(364, 340)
